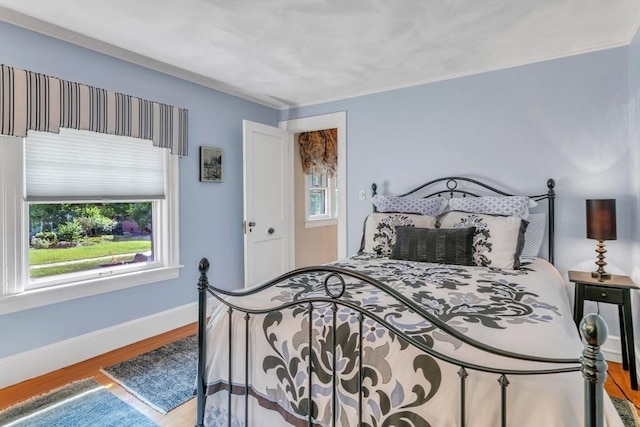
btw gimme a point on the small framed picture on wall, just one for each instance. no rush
(210, 164)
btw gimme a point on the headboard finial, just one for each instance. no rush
(551, 183)
(203, 265)
(374, 192)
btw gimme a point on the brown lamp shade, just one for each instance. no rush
(601, 219)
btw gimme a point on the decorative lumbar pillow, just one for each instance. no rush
(534, 236)
(493, 205)
(497, 241)
(439, 245)
(380, 230)
(413, 205)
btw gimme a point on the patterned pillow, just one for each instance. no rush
(508, 205)
(380, 230)
(413, 205)
(534, 236)
(498, 240)
(440, 245)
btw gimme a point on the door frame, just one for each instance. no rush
(325, 121)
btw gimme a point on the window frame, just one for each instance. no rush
(16, 294)
(331, 218)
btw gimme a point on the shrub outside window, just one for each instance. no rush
(84, 213)
(68, 238)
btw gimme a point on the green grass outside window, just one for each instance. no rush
(102, 249)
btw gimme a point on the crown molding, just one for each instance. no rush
(16, 18)
(34, 24)
(451, 76)
(636, 28)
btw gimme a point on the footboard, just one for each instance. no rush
(335, 282)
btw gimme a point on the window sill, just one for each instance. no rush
(313, 223)
(56, 294)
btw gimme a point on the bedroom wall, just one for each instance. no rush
(210, 214)
(566, 119)
(634, 175)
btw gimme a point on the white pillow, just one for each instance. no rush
(493, 205)
(534, 236)
(411, 205)
(379, 235)
(498, 240)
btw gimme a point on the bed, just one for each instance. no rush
(445, 317)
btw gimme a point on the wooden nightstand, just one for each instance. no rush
(616, 290)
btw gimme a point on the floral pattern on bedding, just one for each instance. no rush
(399, 381)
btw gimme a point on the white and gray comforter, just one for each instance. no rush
(522, 311)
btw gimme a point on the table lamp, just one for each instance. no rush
(601, 226)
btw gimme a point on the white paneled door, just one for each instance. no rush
(268, 202)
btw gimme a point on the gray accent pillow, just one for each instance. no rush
(439, 245)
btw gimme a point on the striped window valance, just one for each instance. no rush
(33, 101)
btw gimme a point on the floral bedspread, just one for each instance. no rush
(522, 311)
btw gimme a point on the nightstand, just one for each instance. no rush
(616, 290)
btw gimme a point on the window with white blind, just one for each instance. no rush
(84, 213)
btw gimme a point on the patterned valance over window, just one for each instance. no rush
(319, 151)
(32, 101)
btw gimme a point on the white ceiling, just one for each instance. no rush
(285, 53)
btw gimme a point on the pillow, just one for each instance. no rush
(507, 205)
(441, 245)
(534, 236)
(498, 240)
(414, 205)
(379, 233)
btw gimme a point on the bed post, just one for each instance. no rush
(551, 195)
(203, 282)
(593, 331)
(374, 192)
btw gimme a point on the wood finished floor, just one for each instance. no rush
(617, 384)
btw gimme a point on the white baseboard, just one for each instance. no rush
(39, 361)
(612, 351)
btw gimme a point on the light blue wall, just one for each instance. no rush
(634, 160)
(210, 214)
(565, 119)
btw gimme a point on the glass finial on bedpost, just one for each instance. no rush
(594, 332)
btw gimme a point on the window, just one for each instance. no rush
(84, 213)
(321, 198)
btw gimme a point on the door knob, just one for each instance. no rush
(252, 224)
(271, 230)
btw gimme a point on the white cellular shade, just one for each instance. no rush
(77, 165)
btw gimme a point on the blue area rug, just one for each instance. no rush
(163, 378)
(627, 412)
(81, 404)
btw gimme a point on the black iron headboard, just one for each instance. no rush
(452, 189)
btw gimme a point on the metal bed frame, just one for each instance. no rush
(593, 330)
